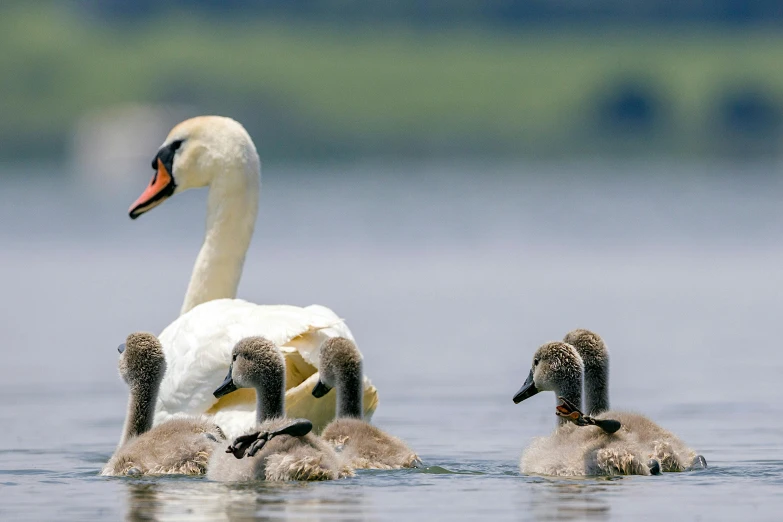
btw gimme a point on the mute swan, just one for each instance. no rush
(180, 446)
(257, 362)
(672, 453)
(217, 152)
(573, 450)
(361, 444)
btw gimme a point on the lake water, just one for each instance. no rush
(450, 277)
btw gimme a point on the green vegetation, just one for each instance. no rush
(335, 91)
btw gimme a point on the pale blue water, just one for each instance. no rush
(450, 278)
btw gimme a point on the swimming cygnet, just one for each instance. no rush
(575, 450)
(361, 445)
(672, 453)
(178, 446)
(278, 448)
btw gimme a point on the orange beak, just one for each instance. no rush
(160, 188)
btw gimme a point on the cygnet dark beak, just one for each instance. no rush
(320, 390)
(227, 387)
(121, 348)
(527, 390)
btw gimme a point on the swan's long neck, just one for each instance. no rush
(232, 207)
(350, 392)
(596, 385)
(141, 410)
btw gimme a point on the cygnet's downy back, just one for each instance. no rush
(361, 444)
(178, 446)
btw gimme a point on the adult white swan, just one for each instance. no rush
(217, 152)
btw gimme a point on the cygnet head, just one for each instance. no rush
(197, 152)
(595, 357)
(590, 346)
(142, 362)
(341, 367)
(556, 367)
(340, 358)
(257, 363)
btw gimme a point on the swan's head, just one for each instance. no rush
(255, 363)
(141, 359)
(195, 153)
(341, 361)
(556, 367)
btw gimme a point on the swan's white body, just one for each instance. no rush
(199, 345)
(217, 152)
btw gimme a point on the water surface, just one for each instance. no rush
(449, 278)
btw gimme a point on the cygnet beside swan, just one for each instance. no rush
(361, 445)
(672, 453)
(257, 363)
(178, 446)
(217, 152)
(573, 450)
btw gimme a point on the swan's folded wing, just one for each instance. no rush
(324, 323)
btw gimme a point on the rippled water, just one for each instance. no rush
(450, 279)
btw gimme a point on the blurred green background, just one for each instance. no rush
(342, 80)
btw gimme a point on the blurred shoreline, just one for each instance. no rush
(314, 91)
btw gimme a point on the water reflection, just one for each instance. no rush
(200, 499)
(578, 499)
